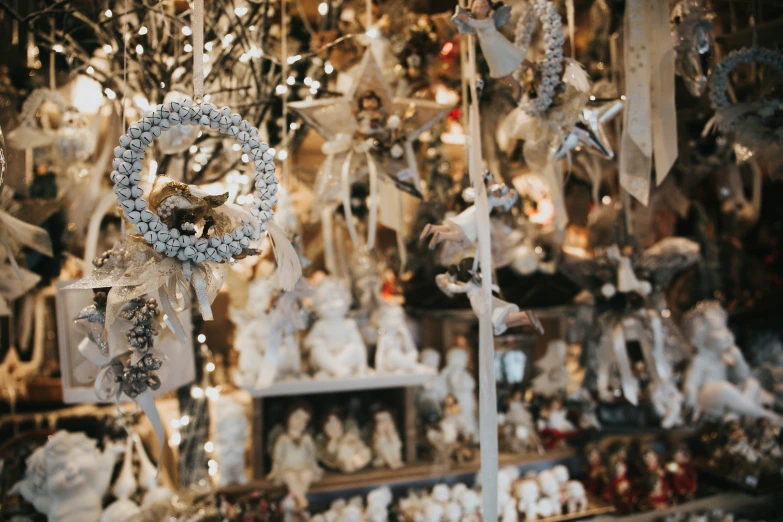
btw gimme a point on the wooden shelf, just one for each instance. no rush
(423, 471)
(373, 381)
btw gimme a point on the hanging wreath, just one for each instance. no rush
(157, 220)
(754, 124)
(545, 12)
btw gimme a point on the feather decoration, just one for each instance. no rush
(289, 269)
(576, 75)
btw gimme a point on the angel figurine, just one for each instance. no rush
(294, 455)
(396, 351)
(502, 56)
(464, 279)
(339, 445)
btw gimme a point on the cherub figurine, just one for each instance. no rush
(67, 478)
(461, 384)
(386, 441)
(294, 456)
(371, 117)
(554, 425)
(451, 438)
(335, 343)
(396, 351)
(718, 380)
(519, 429)
(464, 279)
(502, 56)
(340, 446)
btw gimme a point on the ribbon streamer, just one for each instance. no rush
(650, 120)
(197, 20)
(488, 431)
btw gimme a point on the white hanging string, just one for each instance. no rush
(197, 21)
(284, 75)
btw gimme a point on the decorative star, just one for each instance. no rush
(589, 130)
(335, 120)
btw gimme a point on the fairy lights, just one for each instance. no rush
(323, 8)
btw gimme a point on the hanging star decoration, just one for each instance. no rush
(589, 132)
(368, 129)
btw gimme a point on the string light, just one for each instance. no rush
(197, 167)
(108, 49)
(372, 32)
(281, 89)
(201, 338)
(316, 84)
(294, 59)
(240, 11)
(323, 8)
(213, 393)
(188, 48)
(184, 420)
(308, 81)
(290, 80)
(90, 70)
(245, 158)
(110, 94)
(209, 447)
(228, 39)
(57, 48)
(210, 367)
(205, 58)
(328, 67)
(282, 155)
(193, 149)
(108, 13)
(235, 147)
(139, 49)
(252, 28)
(143, 30)
(606, 200)
(175, 439)
(293, 126)
(197, 392)
(208, 46)
(186, 31)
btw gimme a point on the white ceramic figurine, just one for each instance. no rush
(230, 436)
(335, 343)
(396, 351)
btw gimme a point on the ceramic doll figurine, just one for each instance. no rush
(682, 475)
(596, 480)
(502, 56)
(340, 447)
(554, 426)
(575, 496)
(451, 438)
(432, 393)
(386, 442)
(230, 435)
(620, 492)
(335, 343)
(294, 455)
(396, 352)
(519, 429)
(463, 279)
(550, 489)
(67, 478)
(718, 379)
(527, 492)
(657, 489)
(461, 384)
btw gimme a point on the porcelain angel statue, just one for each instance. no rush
(465, 279)
(502, 56)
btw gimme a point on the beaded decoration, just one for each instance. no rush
(552, 66)
(173, 242)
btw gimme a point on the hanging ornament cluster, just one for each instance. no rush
(176, 211)
(754, 125)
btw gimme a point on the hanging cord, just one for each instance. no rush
(197, 21)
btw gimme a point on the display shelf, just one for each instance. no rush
(316, 386)
(408, 474)
(595, 507)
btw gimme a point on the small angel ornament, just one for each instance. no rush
(502, 56)
(465, 279)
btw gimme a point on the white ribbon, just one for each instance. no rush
(628, 382)
(197, 20)
(650, 120)
(488, 431)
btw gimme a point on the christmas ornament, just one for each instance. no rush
(368, 127)
(551, 67)
(176, 212)
(589, 130)
(694, 43)
(501, 55)
(754, 124)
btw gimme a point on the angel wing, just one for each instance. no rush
(501, 16)
(590, 274)
(666, 258)
(462, 26)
